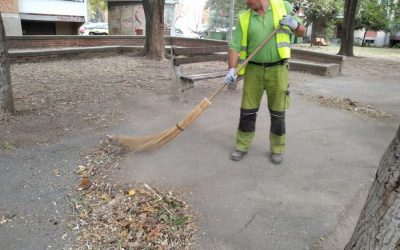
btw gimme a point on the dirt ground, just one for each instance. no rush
(54, 99)
(64, 108)
(59, 100)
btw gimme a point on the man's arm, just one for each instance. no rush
(233, 58)
(235, 45)
(300, 31)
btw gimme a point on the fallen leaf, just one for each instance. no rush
(123, 234)
(116, 200)
(83, 216)
(132, 192)
(164, 217)
(85, 183)
(3, 220)
(139, 233)
(105, 197)
(56, 172)
(81, 168)
(155, 232)
(181, 220)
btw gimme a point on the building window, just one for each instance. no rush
(368, 41)
(38, 28)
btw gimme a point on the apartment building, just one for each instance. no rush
(43, 17)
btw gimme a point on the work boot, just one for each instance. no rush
(276, 159)
(237, 155)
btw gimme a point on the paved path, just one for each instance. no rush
(381, 93)
(252, 204)
(34, 182)
(331, 155)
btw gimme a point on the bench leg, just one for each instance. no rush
(180, 85)
(176, 88)
(186, 85)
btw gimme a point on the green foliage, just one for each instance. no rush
(373, 15)
(96, 9)
(379, 15)
(322, 14)
(394, 22)
(323, 11)
(220, 11)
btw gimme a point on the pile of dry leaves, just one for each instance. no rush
(349, 105)
(108, 216)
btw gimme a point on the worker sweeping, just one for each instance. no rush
(267, 71)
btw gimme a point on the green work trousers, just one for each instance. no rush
(274, 81)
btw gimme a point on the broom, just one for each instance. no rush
(150, 142)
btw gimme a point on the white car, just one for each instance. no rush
(94, 29)
(185, 33)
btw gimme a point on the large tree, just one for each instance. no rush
(373, 16)
(394, 23)
(320, 14)
(220, 11)
(393, 7)
(154, 45)
(347, 39)
(97, 9)
(6, 96)
(379, 223)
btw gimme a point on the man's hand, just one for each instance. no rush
(289, 21)
(230, 77)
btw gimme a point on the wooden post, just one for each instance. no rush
(6, 96)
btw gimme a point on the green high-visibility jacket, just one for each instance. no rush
(282, 37)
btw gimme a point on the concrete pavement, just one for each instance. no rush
(331, 156)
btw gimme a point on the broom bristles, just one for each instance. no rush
(151, 142)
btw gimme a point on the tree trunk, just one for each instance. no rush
(379, 223)
(363, 41)
(154, 45)
(6, 97)
(347, 39)
(313, 32)
(318, 31)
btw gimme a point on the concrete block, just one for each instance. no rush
(12, 24)
(324, 69)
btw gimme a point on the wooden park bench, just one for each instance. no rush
(302, 60)
(187, 55)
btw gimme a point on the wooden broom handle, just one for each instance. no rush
(244, 64)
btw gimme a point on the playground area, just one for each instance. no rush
(337, 130)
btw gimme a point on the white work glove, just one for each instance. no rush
(289, 21)
(230, 77)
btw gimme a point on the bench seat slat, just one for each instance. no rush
(203, 58)
(204, 76)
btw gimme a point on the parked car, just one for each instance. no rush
(94, 29)
(185, 33)
(83, 30)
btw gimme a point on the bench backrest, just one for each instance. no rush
(185, 55)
